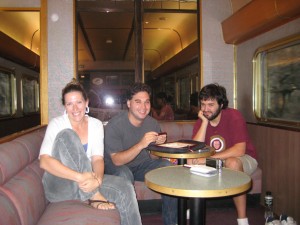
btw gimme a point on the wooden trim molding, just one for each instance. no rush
(44, 64)
(275, 125)
(186, 56)
(21, 133)
(14, 51)
(258, 17)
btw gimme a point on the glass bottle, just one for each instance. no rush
(268, 205)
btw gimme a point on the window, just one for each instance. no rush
(30, 94)
(277, 82)
(112, 80)
(7, 93)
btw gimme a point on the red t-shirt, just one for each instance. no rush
(230, 131)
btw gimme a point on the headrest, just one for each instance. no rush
(18, 153)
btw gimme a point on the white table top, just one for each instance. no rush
(178, 181)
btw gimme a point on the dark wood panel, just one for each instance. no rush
(14, 51)
(278, 157)
(183, 58)
(13, 125)
(258, 17)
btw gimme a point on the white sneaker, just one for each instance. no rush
(269, 220)
(291, 221)
(276, 222)
(243, 221)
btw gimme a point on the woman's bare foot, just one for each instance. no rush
(99, 202)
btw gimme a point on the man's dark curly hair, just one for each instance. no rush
(136, 88)
(214, 91)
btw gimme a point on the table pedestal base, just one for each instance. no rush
(182, 202)
(182, 207)
(197, 211)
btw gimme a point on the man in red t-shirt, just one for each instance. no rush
(225, 129)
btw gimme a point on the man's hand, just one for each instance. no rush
(161, 138)
(201, 116)
(149, 138)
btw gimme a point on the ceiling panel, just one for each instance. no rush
(23, 27)
(169, 27)
(104, 20)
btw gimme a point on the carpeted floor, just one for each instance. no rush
(218, 212)
(224, 216)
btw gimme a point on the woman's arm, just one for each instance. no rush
(98, 168)
(95, 181)
(56, 168)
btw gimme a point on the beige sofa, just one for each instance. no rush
(22, 198)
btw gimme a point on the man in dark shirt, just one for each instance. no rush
(127, 137)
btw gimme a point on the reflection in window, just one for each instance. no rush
(184, 85)
(277, 82)
(30, 94)
(7, 93)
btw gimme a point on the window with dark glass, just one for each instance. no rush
(277, 82)
(7, 93)
(30, 94)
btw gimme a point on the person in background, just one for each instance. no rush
(72, 156)
(218, 123)
(127, 137)
(194, 107)
(165, 111)
(94, 99)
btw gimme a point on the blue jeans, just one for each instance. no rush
(69, 151)
(169, 204)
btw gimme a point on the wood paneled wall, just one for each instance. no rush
(258, 17)
(279, 156)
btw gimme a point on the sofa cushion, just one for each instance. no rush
(71, 213)
(9, 213)
(13, 158)
(26, 192)
(143, 192)
(16, 154)
(32, 142)
(177, 130)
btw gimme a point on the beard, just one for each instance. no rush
(214, 115)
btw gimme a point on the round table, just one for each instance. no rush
(178, 181)
(182, 158)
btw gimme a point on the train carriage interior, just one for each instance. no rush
(251, 47)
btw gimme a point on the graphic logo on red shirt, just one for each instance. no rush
(218, 143)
